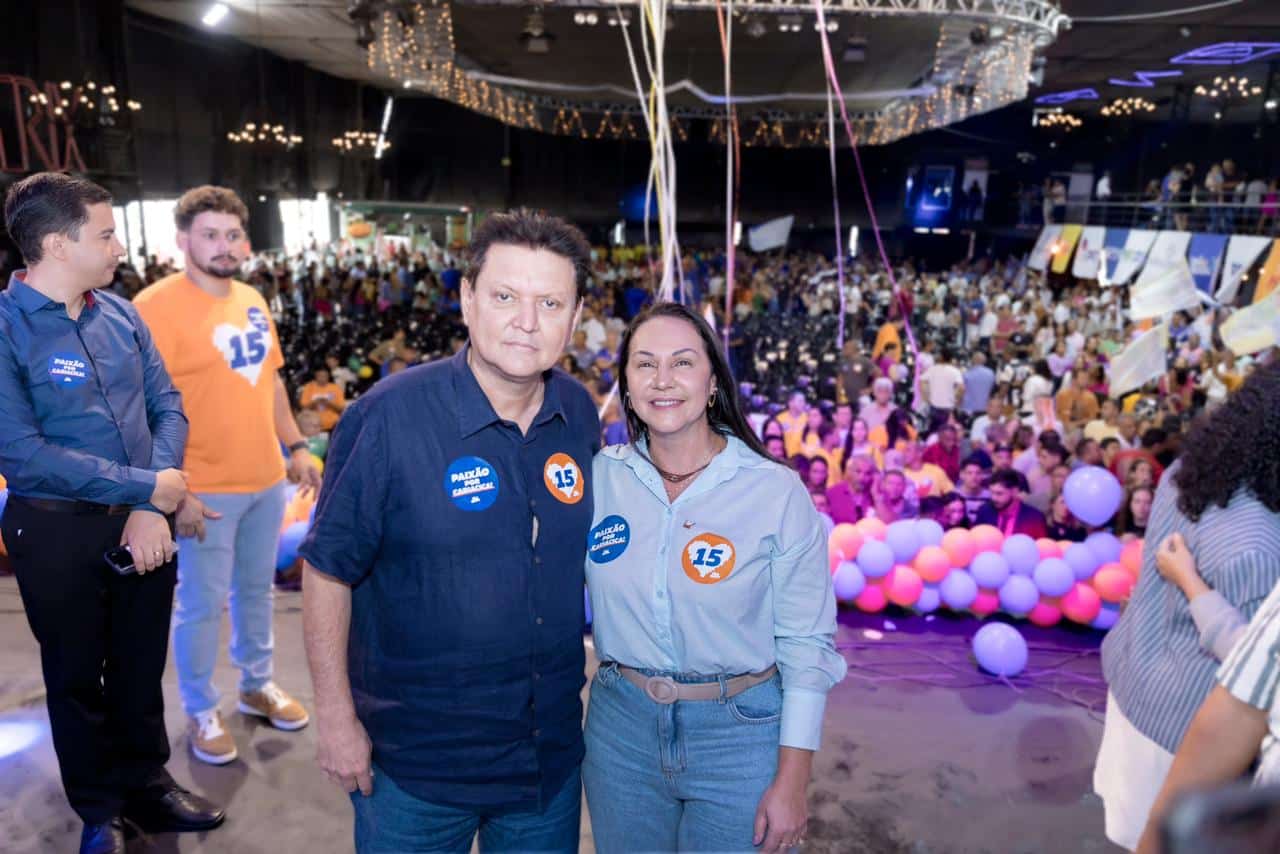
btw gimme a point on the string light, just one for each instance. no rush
(264, 134)
(1229, 88)
(1128, 107)
(1059, 120)
(360, 143)
(86, 102)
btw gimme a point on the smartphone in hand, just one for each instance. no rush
(120, 560)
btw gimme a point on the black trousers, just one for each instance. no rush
(103, 641)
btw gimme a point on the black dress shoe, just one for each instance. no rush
(103, 838)
(173, 810)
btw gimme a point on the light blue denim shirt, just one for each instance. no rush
(731, 578)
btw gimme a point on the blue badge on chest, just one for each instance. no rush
(608, 540)
(68, 369)
(471, 483)
(258, 319)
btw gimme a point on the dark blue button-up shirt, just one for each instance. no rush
(87, 411)
(464, 543)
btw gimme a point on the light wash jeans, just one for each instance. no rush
(238, 556)
(392, 821)
(683, 777)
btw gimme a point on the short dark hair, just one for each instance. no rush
(533, 230)
(975, 460)
(48, 203)
(208, 198)
(1009, 479)
(1056, 450)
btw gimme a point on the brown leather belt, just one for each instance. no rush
(80, 508)
(665, 690)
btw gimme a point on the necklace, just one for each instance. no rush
(678, 478)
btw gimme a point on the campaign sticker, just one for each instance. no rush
(258, 318)
(708, 558)
(68, 369)
(563, 478)
(471, 483)
(608, 540)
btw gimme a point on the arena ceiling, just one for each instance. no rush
(903, 59)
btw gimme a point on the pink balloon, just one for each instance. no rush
(1131, 557)
(847, 539)
(1048, 548)
(1081, 604)
(987, 538)
(985, 603)
(903, 586)
(1045, 614)
(872, 529)
(932, 564)
(1113, 583)
(959, 546)
(871, 599)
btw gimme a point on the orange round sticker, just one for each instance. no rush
(563, 477)
(708, 558)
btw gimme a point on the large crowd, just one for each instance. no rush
(968, 398)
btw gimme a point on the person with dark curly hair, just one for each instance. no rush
(1222, 498)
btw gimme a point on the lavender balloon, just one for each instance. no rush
(1105, 547)
(930, 599)
(875, 559)
(848, 581)
(1083, 562)
(958, 590)
(902, 539)
(928, 532)
(1000, 649)
(990, 570)
(1019, 595)
(1093, 494)
(1106, 617)
(1022, 553)
(1054, 577)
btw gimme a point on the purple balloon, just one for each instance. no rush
(928, 532)
(930, 599)
(990, 570)
(1022, 553)
(958, 590)
(902, 539)
(848, 581)
(1105, 547)
(1093, 494)
(1054, 576)
(1000, 649)
(1106, 617)
(875, 559)
(1019, 595)
(1082, 560)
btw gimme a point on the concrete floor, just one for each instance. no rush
(921, 753)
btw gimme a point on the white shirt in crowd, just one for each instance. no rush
(945, 383)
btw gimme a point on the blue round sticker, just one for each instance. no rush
(68, 369)
(258, 319)
(471, 483)
(608, 540)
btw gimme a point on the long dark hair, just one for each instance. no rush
(1235, 446)
(724, 414)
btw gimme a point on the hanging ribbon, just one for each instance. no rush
(732, 169)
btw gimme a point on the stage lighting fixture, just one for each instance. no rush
(215, 14)
(535, 37)
(855, 50)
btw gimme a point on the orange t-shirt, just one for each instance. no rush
(311, 392)
(223, 355)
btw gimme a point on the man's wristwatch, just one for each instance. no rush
(298, 446)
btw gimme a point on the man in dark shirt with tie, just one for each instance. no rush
(443, 596)
(92, 441)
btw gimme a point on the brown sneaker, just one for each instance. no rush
(210, 741)
(275, 705)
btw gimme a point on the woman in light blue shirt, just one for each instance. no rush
(714, 613)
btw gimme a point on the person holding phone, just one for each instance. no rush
(714, 613)
(93, 439)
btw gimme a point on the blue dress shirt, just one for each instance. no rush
(730, 578)
(463, 541)
(87, 410)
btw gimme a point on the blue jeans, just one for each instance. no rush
(392, 821)
(238, 556)
(682, 777)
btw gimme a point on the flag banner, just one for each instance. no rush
(1134, 255)
(1112, 250)
(1268, 278)
(770, 235)
(1063, 247)
(1039, 258)
(1168, 250)
(1171, 291)
(1205, 259)
(1089, 252)
(1255, 328)
(1243, 251)
(1139, 363)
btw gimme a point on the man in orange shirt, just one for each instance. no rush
(220, 346)
(323, 397)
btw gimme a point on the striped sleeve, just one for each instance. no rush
(1252, 671)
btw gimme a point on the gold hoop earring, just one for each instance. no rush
(712, 400)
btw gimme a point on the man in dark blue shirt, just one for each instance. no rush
(443, 598)
(93, 436)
